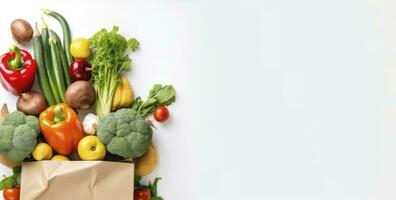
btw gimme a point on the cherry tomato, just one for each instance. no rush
(141, 194)
(161, 114)
(11, 193)
(80, 70)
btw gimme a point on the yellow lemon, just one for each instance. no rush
(60, 158)
(90, 148)
(42, 151)
(79, 48)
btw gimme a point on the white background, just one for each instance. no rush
(277, 100)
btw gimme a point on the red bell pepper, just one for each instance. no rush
(17, 71)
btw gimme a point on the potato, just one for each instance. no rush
(22, 31)
(146, 164)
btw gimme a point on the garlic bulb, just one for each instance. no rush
(90, 124)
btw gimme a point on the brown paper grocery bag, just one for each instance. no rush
(77, 180)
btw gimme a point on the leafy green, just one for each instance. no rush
(133, 44)
(158, 96)
(109, 59)
(11, 181)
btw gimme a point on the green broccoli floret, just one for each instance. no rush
(15, 119)
(18, 135)
(125, 133)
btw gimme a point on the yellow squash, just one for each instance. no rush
(123, 96)
(146, 164)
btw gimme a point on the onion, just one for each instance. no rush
(22, 31)
(31, 103)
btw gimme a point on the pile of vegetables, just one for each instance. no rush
(85, 74)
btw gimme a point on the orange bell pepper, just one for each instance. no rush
(61, 128)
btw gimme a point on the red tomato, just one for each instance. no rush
(141, 194)
(11, 193)
(161, 114)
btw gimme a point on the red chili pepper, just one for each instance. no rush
(17, 71)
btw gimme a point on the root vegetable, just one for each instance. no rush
(80, 95)
(22, 31)
(31, 103)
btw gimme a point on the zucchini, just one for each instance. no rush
(65, 65)
(57, 66)
(41, 69)
(48, 62)
(66, 33)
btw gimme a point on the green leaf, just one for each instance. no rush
(155, 90)
(150, 103)
(17, 170)
(154, 186)
(1, 185)
(133, 44)
(137, 180)
(156, 198)
(137, 103)
(10, 182)
(166, 95)
(146, 111)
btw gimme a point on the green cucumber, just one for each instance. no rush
(57, 66)
(65, 65)
(66, 33)
(48, 62)
(41, 68)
